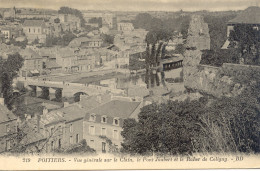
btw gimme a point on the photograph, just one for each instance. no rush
(129, 84)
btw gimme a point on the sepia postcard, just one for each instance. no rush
(129, 84)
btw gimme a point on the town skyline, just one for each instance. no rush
(134, 5)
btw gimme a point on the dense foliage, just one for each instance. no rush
(63, 40)
(247, 40)
(76, 12)
(161, 29)
(136, 61)
(96, 20)
(107, 39)
(228, 124)
(79, 148)
(220, 56)
(217, 29)
(8, 70)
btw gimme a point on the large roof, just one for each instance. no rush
(73, 112)
(33, 23)
(116, 108)
(28, 53)
(5, 114)
(251, 15)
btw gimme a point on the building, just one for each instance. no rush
(69, 22)
(8, 128)
(11, 31)
(67, 59)
(52, 125)
(73, 128)
(9, 13)
(86, 42)
(125, 27)
(33, 63)
(35, 30)
(105, 123)
(250, 16)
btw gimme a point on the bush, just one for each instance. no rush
(220, 56)
(227, 125)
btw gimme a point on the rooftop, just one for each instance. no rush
(5, 114)
(52, 117)
(33, 23)
(28, 53)
(116, 108)
(251, 15)
(73, 112)
(52, 64)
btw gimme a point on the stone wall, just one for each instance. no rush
(216, 81)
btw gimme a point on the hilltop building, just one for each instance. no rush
(35, 30)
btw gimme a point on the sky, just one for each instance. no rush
(135, 5)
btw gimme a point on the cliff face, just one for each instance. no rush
(203, 78)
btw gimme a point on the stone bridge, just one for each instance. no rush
(53, 89)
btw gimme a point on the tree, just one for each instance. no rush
(8, 70)
(143, 20)
(96, 20)
(76, 12)
(56, 20)
(217, 29)
(166, 128)
(107, 39)
(226, 124)
(248, 40)
(80, 148)
(152, 61)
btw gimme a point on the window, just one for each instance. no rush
(77, 138)
(71, 128)
(29, 30)
(103, 131)
(59, 143)
(71, 140)
(116, 121)
(34, 30)
(104, 119)
(52, 146)
(92, 117)
(115, 134)
(103, 147)
(92, 130)
(7, 128)
(38, 30)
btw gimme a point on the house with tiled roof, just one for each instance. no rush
(250, 16)
(105, 122)
(33, 63)
(35, 30)
(87, 42)
(73, 126)
(8, 128)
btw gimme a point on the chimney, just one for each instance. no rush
(44, 111)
